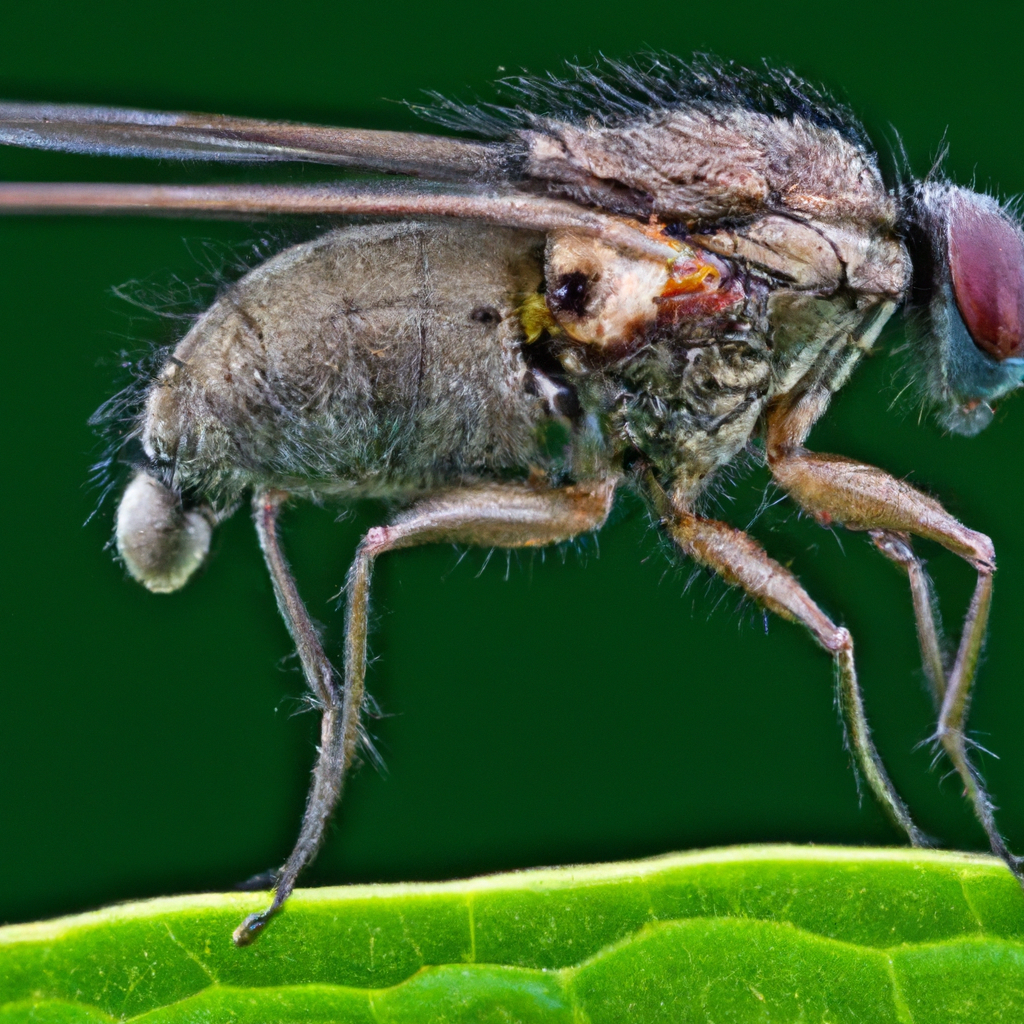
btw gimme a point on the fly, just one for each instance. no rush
(629, 277)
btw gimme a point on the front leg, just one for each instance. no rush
(490, 515)
(845, 492)
(899, 550)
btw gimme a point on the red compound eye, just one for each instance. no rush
(986, 259)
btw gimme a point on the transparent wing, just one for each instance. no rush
(115, 131)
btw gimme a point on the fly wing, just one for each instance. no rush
(695, 141)
(693, 144)
(692, 163)
(510, 209)
(115, 131)
(700, 166)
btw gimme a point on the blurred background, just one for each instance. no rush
(580, 708)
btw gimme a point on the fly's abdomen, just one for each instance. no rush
(376, 358)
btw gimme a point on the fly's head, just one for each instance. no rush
(969, 292)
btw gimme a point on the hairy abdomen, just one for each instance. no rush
(375, 359)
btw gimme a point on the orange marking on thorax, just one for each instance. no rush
(694, 281)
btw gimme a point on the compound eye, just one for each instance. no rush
(986, 260)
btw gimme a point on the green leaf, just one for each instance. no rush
(754, 934)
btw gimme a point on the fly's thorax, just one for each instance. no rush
(805, 329)
(611, 303)
(815, 255)
(707, 160)
(691, 409)
(681, 410)
(794, 251)
(670, 356)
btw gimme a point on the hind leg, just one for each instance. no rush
(500, 515)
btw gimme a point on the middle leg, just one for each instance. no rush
(742, 562)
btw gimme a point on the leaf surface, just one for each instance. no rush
(751, 934)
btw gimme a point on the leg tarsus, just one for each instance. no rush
(953, 716)
(851, 703)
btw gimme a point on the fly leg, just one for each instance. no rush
(339, 724)
(897, 548)
(742, 562)
(837, 490)
(500, 515)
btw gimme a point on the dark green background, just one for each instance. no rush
(572, 712)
